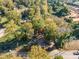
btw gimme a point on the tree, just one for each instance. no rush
(62, 39)
(3, 20)
(37, 10)
(38, 24)
(24, 15)
(11, 27)
(75, 27)
(23, 2)
(1, 2)
(27, 30)
(2, 10)
(31, 13)
(64, 34)
(50, 30)
(38, 53)
(63, 12)
(9, 4)
(34, 9)
(13, 15)
(44, 7)
(60, 9)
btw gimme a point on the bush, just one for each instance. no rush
(58, 57)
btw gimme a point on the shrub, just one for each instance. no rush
(58, 57)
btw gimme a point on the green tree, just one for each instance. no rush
(3, 20)
(59, 8)
(38, 24)
(13, 15)
(10, 4)
(31, 10)
(11, 27)
(63, 12)
(31, 13)
(27, 30)
(38, 53)
(1, 2)
(23, 2)
(44, 7)
(50, 30)
(37, 9)
(62, 39)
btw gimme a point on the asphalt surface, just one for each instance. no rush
(65, 54)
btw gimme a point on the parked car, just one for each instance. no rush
(76, 53)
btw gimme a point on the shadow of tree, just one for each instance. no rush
(11, 45)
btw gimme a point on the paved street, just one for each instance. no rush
(65, 54)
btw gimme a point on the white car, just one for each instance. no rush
(76, 53)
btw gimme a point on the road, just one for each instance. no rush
(65, 54)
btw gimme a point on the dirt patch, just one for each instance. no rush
(72, 45)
